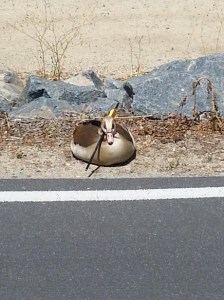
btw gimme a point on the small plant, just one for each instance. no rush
(214, 115)
(173, 164)
(52, 43)
(20, 155)
(215, 38)
(211, 92)
(136, 68)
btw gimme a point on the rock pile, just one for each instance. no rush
(160, 91)
(163, 89)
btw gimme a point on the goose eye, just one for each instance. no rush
(113, 129)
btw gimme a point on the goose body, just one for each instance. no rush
(117, 147)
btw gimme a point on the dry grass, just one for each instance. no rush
(52, 41)
(175, 146)
(57, 132)
(135, 55)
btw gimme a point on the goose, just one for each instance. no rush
(117, 146)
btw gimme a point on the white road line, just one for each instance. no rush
(104, 195)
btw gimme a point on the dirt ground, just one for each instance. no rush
(173, 147)
(116, 39)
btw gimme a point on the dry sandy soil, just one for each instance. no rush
(173, 147)
(108, 32)
(117, 39)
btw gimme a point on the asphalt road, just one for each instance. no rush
(157, 249)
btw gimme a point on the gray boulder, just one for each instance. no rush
(114, 89)
(37, 87)
(95, 79)
(11, 77)
(158, 92)
(10, 90)
(97, 107)
(162, 90)
(102, 84)
(79, 80)
(42, 107)
(4, 105)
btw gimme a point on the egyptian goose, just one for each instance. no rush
(117, 147)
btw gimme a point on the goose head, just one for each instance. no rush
(108, 126)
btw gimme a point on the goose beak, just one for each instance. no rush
(110, 138)
(109, 128)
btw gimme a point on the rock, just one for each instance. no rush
(92, 76)
(158, 92)
(11, 77)
(105, 84)
(79, 80)
(110, 83)
(4, 105)
(162, 90)
(115, 94)
(97, 107)
(37, 87)
(114, 89)
(49, 99)
(42, 107)
(10, 90)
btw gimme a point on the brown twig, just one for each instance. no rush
(6, 119)
(181, 106)
(210, 90)
(52, 44)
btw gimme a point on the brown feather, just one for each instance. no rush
(86, 134)
(122, 130)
